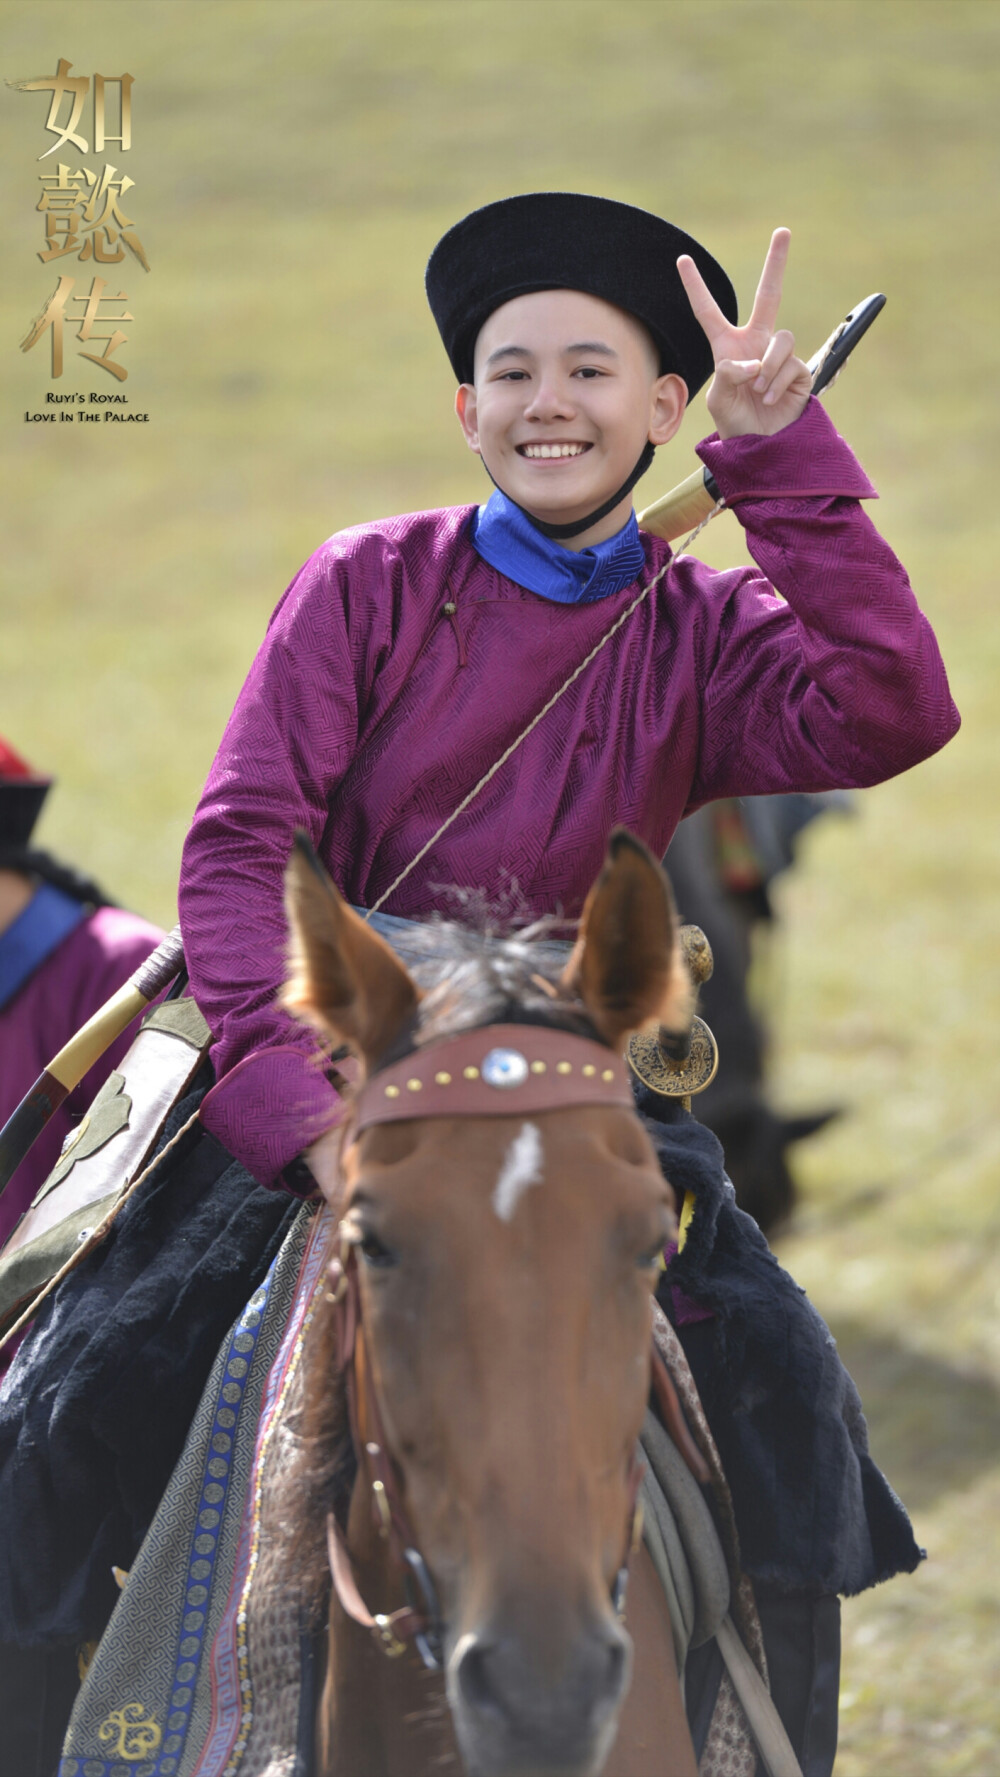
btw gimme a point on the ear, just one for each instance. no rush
(343, 978)
(627, 964)
(669, 401)
(467, 408)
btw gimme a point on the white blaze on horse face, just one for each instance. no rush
(522, 1166)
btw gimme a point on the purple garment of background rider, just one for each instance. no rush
(371, 711)
(77, 977)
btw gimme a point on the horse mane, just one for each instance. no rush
(468, 978)
(486, 975)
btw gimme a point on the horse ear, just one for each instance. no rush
(627, 964)
(343, 978)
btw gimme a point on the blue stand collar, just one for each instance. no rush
(48, 918)
(510, 543)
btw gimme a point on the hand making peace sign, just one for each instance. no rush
(759, 385)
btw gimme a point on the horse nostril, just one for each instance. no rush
(473, 1678)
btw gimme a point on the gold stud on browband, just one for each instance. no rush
(588, 1070)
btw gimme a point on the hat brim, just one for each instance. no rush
(566, 240)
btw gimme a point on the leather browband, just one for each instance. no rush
(499, 1070)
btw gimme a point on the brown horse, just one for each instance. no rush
(491, 1313)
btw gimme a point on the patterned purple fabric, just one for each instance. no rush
(370, 712)
(81, 973)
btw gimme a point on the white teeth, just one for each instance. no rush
(554, 450)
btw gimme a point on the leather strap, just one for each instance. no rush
(392, 1632)
(498, 1070)
(766, 1725)
(673, 1418)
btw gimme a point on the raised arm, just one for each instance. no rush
(843, 685)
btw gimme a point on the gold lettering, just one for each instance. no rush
(54, 316)
(59, 84)
(124, 81)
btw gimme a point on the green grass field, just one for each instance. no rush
(293, 166)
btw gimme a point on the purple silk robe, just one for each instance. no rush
(370, 712)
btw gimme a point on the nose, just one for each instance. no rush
(512, 1718)
(550, 401)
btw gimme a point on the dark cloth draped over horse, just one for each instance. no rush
(813, 1511)
(96, 1408)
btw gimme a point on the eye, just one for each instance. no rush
(375, 1253)
(589, 370)
(652, 1259)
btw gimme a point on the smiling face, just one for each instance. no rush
(567, 392)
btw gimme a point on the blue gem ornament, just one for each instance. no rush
(505, 1068)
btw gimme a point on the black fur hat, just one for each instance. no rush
(562, 240)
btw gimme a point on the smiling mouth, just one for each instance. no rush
(548, 452)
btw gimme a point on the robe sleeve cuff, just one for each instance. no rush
(807, 459)
(268, 1109)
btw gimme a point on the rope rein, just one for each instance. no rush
(574, 675)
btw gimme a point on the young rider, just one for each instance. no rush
(408, 656)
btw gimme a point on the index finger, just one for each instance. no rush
(706, 310)
(767, 301)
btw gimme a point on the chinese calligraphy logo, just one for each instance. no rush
(84, 216)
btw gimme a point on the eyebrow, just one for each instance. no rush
(585, 345)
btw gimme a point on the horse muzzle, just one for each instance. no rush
(512, 1720)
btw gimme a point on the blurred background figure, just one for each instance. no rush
(64, 949)
(722, 862)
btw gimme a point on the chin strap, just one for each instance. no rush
(559, 531)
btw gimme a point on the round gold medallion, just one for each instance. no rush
(674, 1079)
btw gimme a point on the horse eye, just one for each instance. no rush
(375, 1253)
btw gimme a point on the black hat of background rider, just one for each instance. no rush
(563, 240)
(22, 793)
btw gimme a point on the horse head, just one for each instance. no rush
(503, 1247)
